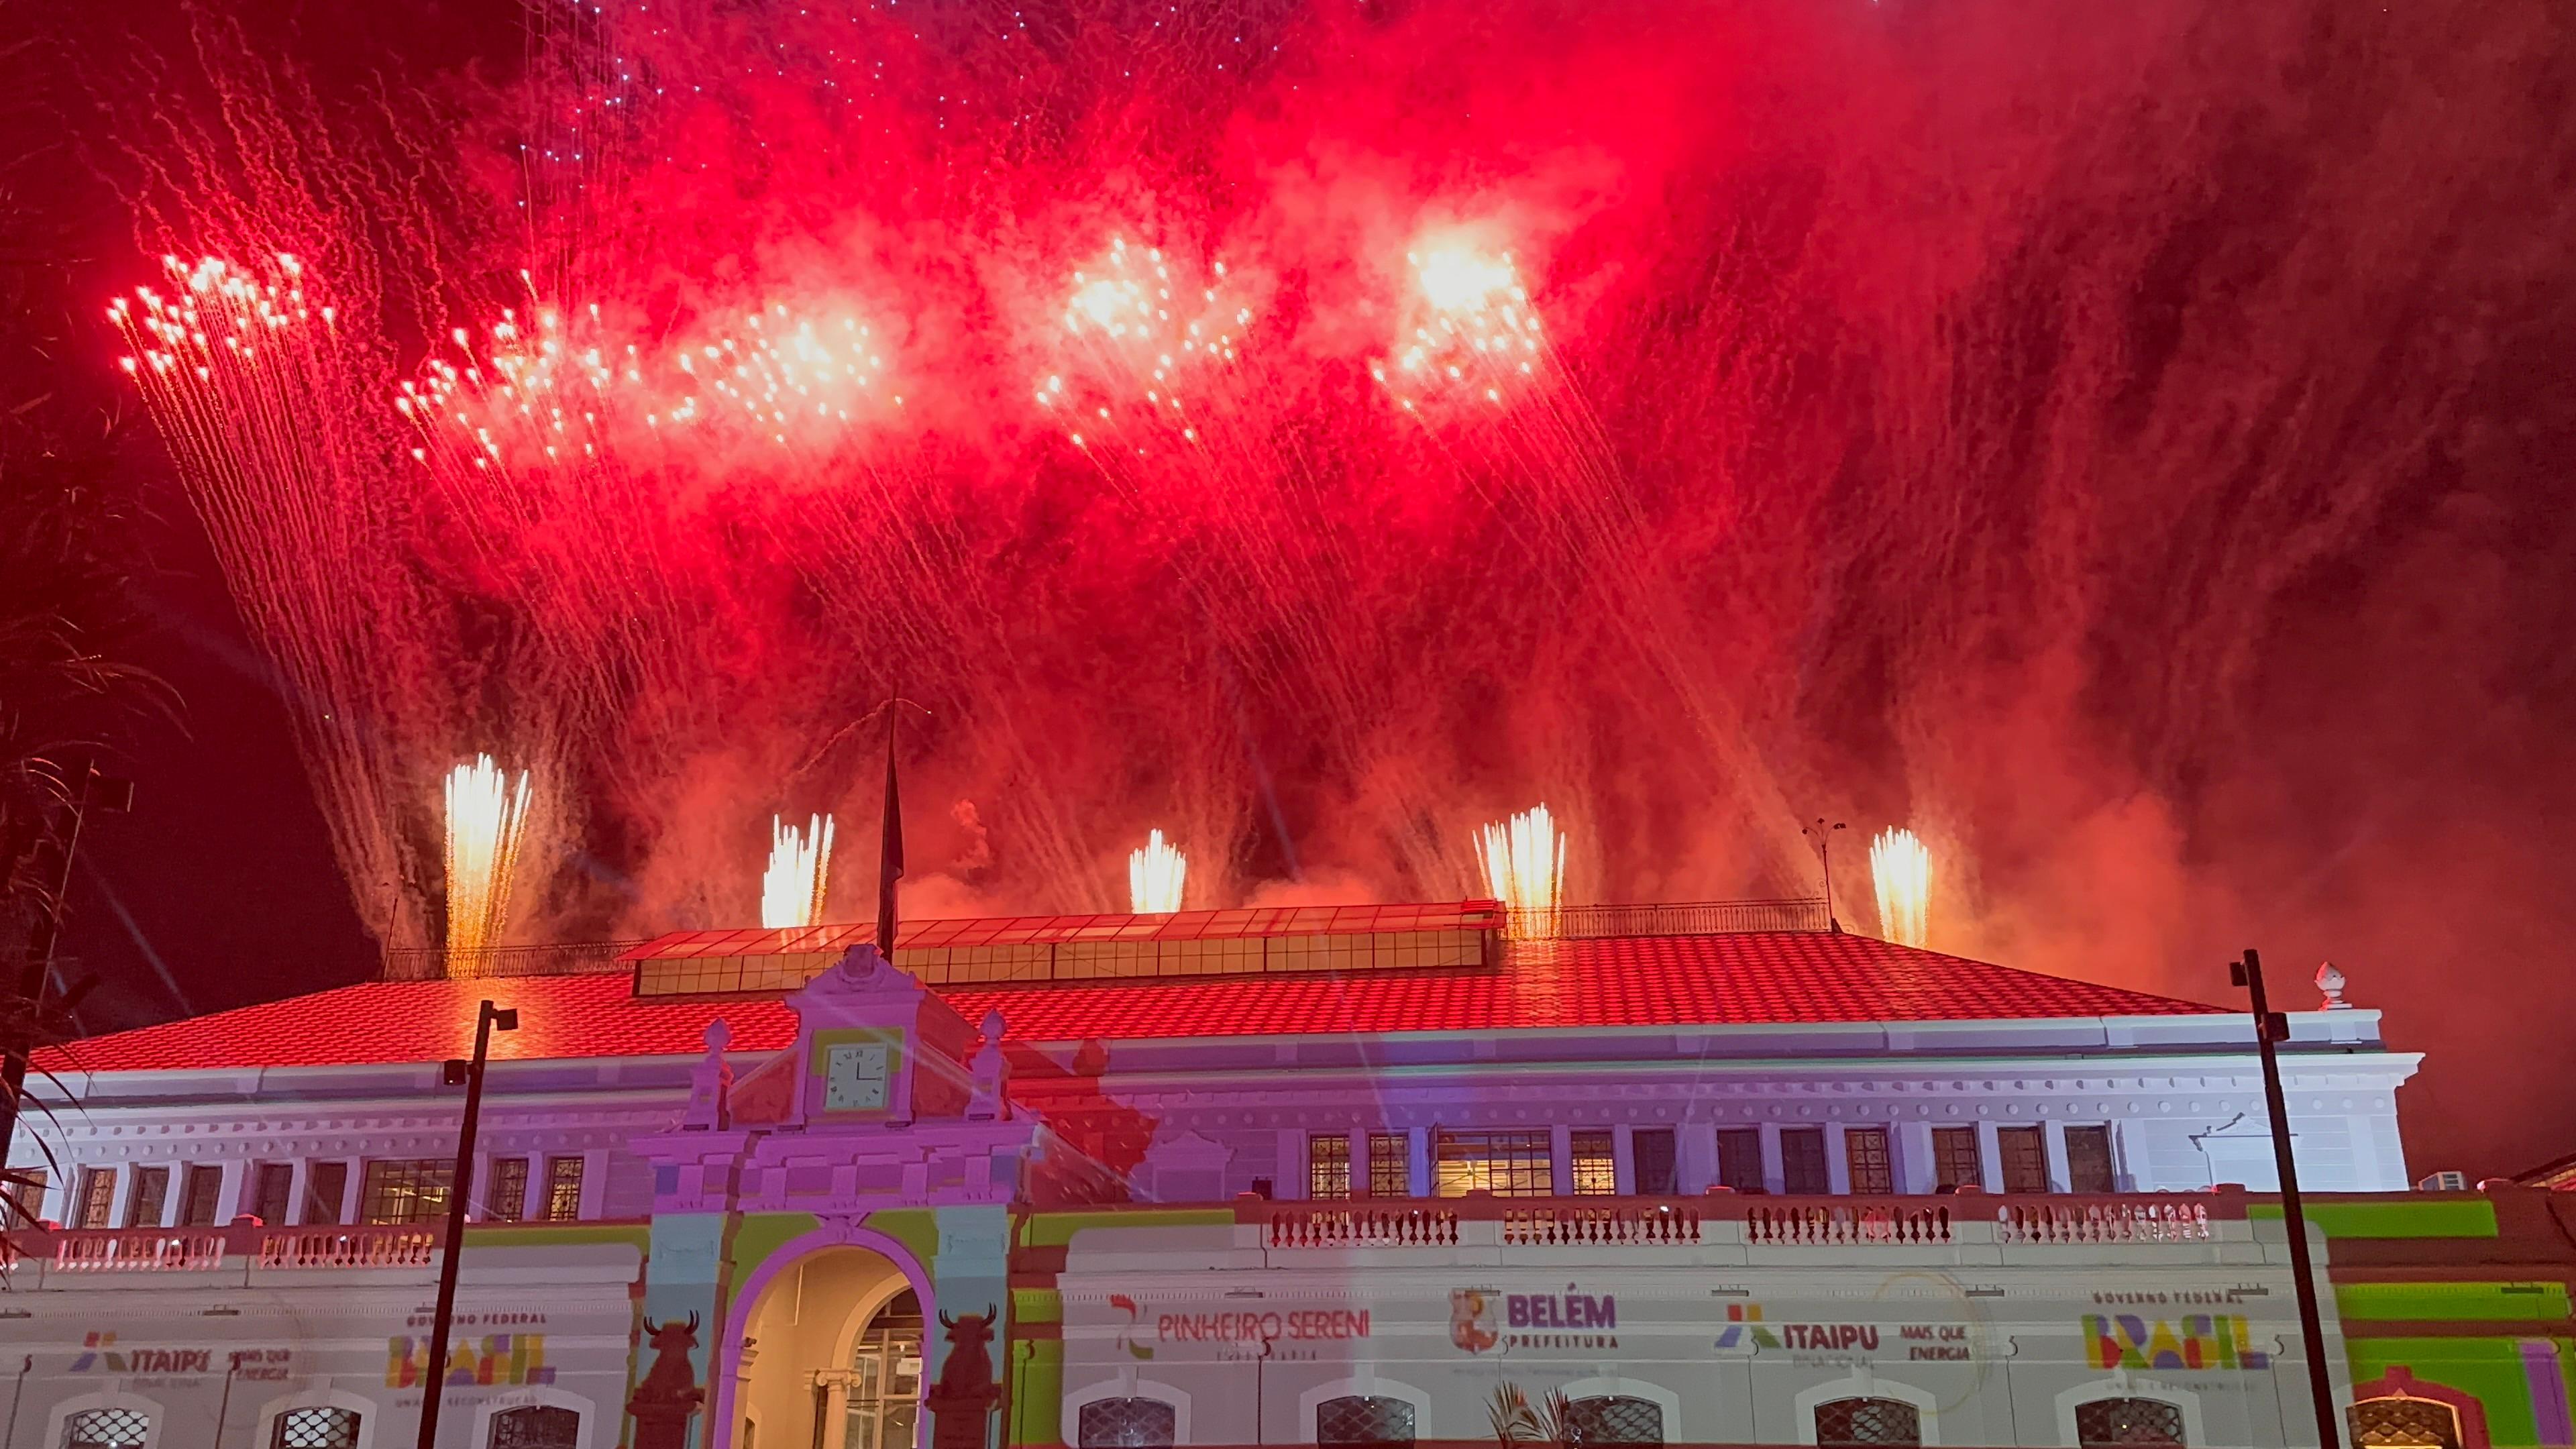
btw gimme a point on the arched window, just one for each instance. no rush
(2382, 1423)
(885, 1378)
(320, 1428)
(2106, 1423)
(1614, 1419)
(1356, 1420)
(537, 1426)
(1842, 1423)
(1126, 1424)
(107, 1429)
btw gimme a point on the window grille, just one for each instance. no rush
(2088, 1160)
(151, 1195)
(1802, 1161)
(1651, 1150)
(2395, 1423)
(200, 1195)
(315, 1429)
(326, 1188)
(1125, 1424)
(1845, 1423)
(1955, 1159)
(97, 1197)
(107, 1429)
(538, 1426)
(2106, 1423)
(506, 1199)
(1356, 1421)
(1328, 1165)
(1390, 1164)
(1596, 1169)
(2025, 1158)
(1614, 1420)
(1865, 1157)
(1739, 1158)
(563, 1189)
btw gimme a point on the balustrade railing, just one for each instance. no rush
(139, 1250)
(348, 1248)
(199, 1250)
(1764, 1221)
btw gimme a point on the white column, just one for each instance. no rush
(1990, 1156)
(1837, 1161)
(2053, 1133)
(1623, 1162)
(1694, 1156)
(1560, 1160)
(1911, 1144)
(1419, 1141)
(594, 1184)
(1774, 1178)
(1290, 1184)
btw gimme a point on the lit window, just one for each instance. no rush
(563, 1189)
(1507, 1164)
(1865, 1157)
(398, 1191)
(2404, 1423)
(1390, 1164)
(27, 1195)
(97, 1197)
(1596, 1171)
(1328, 1165)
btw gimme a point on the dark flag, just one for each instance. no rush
(889, 851)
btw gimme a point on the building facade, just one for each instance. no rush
(1368, 1177)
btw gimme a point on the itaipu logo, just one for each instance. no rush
(1745, 1331)
(1135, 1320)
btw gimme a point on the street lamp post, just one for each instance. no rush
(469, 1074)
(2269, 1027)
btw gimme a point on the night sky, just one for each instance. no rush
(2135, 455)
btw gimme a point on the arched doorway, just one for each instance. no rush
(831, 1356)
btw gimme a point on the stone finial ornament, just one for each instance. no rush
(990, 1100)
(2330, 981)
(711, 1084)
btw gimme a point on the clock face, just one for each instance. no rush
(854, 1077)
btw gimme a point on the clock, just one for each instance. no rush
(854, 1077)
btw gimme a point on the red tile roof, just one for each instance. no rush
(1754, 977)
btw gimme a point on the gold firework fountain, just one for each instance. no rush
(800, 868)
(1154, 877)
(1902, 870)
(487, 814)
(1523, 860)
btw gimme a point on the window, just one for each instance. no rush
(107, 1429)
(563, 1189)
(2105, 1423)
(882, 1403)
(151, 1194)
(1125, 1424)
(1355, 1421)
(1615, 1421)
(326, 1187)
(1865, 1155)
(1650, 1151)
(1328, 1165)
(1507, 1164)
(1390, 1164)
(505, 1197)
(1739, 1158)
(27, 1194)
(413, 1191)
(1842, 1423)
(1955, 1163)
(97, 1197)
(538, 1426)
(2025, 1158)
(1596, 1170)
(201, 1194)
(1802, 1161)
(272, 1188)
(2394, 1423)
(2088, 1160)
(315, 1429)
